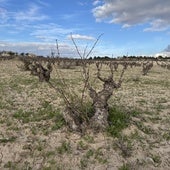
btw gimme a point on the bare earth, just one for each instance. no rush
(30, 138)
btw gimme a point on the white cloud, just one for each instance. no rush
(96, 2)
(66, 47)
(82, 3)
(66, 50)
(3, 15)
(81, 37)
(163, 54)
(50, 32)
(68, 16)
(126, 12)
(31, 14)
(158, 25)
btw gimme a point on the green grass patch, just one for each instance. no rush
(64, 148)
(46, 112)
(2, 105)
(18, 82)
(161, 83)
(166, 136)
(125, 167)
(5, 140)
(119, 119)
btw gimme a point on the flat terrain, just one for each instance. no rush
(33, 134)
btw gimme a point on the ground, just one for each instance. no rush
(33, 134)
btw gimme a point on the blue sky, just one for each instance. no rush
(133, 27)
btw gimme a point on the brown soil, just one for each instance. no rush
(35, 142)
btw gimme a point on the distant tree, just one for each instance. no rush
(22, 54)
(11, 53)
(160, 57)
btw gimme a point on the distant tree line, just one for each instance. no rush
(11, 54)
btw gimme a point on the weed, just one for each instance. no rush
(5, 140)
(50, 153)
(44, 113)
(10, 165)
(83, 163)
(159, 107)
(100, 156)
(64, 148)
(146, 130)
(125, 167)
(125, 146)
(166, 136)
(88, 138)
(118, 120)
(21, 81)
(2, 105)
(47, 168)
(92, 155)
(25, 117)
(58, 124)
(33, 130)
(87, 109)
(89, 153)
(85, 159)
(155, 119)
(82, 146)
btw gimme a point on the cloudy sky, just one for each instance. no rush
(133, 27)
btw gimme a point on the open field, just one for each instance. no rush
(33, 134)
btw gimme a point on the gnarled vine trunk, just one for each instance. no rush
(37, 69)
(99, 121)
(75, 118)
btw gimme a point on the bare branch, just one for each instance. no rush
(76, 46)
(58, 52)
(121, 77)
(84, 53)
(85, 57)
(94, 45)
(86, 83)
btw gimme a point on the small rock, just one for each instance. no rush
(149, 160)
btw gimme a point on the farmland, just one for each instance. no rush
(34, 135)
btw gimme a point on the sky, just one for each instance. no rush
(128, 27)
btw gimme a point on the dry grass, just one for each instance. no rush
(32, 135)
